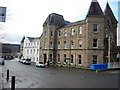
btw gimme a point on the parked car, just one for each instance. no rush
(2, 61)
(26, 61)
(22, 60)
(40, 64)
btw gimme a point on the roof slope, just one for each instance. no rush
(33, 38)
(109, 12)
(54, 19)
(95, 9)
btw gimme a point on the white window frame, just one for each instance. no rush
(51, 57)
(72, 31)
(79, 30)
(64, 57)
(95, 58)
(37, 51)
(79, 44)
(71, 44)
(45, 34)
(95, 28)
(58, 58)
(58, 45)
(65, 32)
(71, 58)
(59, 33)
(79, 59)
(45, 45)
(51, 45)
(95, 43)
(27, 51)
(51, 33)
(65, 45)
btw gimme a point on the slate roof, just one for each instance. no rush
(74, 23)
(32, 38)
(95, 9)
(22, 39)
(54, 19)
(109, 12)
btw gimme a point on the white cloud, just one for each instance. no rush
(26, 17)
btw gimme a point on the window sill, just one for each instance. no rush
(95, 47)
(95, 32)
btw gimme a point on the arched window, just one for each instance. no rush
(107, 29)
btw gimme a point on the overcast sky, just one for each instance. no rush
(26, 17)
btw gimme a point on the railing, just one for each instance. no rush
(114, 65)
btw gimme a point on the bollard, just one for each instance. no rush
(13, 83)
(7, 75)
(2, 74)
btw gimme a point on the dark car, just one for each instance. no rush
(2, 61)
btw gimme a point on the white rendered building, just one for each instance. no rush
(31, 48)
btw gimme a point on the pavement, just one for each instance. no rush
(0, 77)
(28, 76)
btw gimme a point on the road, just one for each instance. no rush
(29, 76)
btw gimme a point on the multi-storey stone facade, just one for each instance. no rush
(89, 41)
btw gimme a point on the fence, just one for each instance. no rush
(114, 65)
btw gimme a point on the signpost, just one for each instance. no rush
(2, 19)
(2, 14)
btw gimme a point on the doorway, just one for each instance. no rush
(44, 58)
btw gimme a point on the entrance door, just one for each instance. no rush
(44, 58)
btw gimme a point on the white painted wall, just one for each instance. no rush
(31, 49)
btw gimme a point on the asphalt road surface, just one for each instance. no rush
(29, 76)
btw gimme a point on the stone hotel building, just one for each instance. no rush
(81, 43)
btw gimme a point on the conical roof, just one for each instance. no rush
(95, 9)
(109, 12)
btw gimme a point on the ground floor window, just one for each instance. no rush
(33, 59)
(71, 58)
(58, 57)
(64, 57)
(94, 59)
(50, 57)
(37, 59)
(79, 59)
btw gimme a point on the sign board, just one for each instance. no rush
(67, 58)
(2, 14)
